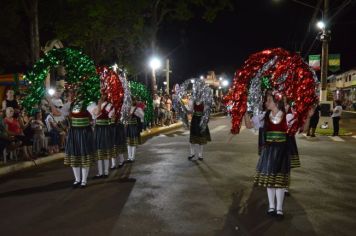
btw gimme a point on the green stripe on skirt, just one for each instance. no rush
(272, 181)
(80, 161)
(105, 154)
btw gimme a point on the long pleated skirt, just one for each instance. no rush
(293, 152)
(104, 141)
(133, 134)
(196, 136)
(273, 167)
(80, 149)
(120, 141)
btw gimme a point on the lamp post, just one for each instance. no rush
(168, 71)
(325, 38)
(154, 64)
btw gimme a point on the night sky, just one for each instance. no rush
(196, 47)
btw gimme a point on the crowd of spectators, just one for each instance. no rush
(28, 136)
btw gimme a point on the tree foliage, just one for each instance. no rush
(123, 31)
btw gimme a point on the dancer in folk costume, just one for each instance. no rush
(198, 136)
(291, 141)
(120, 144)
(289, 76)
(103, 136)
(80, 149)
(273, 168)
(199, 105)
(121, 117)
(133, 130)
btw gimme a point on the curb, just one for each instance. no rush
(153, 132)
(346, 111)
(28, 164)
(6, 170)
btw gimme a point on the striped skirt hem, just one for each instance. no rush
(294, 161)
(199, 140)
(105, 154)
(272, 181)
(134, 141)
(80, 161)
(120, 149)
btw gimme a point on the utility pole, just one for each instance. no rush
(154, 82)
(167, 75)
(325, 37)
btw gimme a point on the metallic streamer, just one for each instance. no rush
(201, 92)
(126, 104)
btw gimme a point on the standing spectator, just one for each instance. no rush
(336, 116)
(314, 120)
(39, 138)
(162, 110)
(168, 110)
(59, 112)
(10, 101)
(156, 103)
(53, 131)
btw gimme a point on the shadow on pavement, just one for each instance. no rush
(249, 217)
(56, 209)
(38, 189)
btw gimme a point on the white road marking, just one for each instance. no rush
(336, 139)
(218, 128)
(255, 132)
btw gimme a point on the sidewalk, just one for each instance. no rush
(347, 111)
(9, 168)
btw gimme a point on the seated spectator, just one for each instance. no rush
(13, 128)
(25, 123)
(39, 138)
(4, 137)
(54, 134)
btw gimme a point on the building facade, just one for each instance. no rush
(343, 87)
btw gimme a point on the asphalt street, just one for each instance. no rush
(163, 193)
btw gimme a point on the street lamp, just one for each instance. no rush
(321, 25)
(325, 38)
(154, 64)
(51, 91)
(115, 67)
(225, 83)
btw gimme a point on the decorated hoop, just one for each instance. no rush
(199, 92)
(111, 86)
(139, 90)
(275, 69)
(80, 70)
